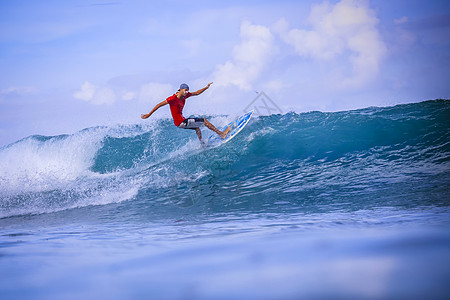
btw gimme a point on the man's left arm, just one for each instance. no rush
(201, 90)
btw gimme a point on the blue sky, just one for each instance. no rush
(68, 65)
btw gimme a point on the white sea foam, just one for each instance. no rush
(38, 163)
(48, 174)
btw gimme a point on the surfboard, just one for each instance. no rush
(236, 127)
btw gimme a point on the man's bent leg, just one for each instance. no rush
(199, 133)
(213, 128)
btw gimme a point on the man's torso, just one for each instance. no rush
(176, 107)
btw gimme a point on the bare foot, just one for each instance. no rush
(225, 133)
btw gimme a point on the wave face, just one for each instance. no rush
(311, 162)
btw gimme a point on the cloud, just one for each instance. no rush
(18, 91)
(86, 93)
(402, 20)
(128, 96)
(153, 91)
(248, 59)
(147, 93)
(346, 30)
(98, 96)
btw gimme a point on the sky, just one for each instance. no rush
(68, 65)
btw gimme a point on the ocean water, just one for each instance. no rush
(342, 205)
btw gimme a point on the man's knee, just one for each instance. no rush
(207, 123)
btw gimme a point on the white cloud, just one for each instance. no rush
(148, 93)
(18, 90)
(86, 93)
(98, 96)
(153, 91)
(249, 58)
(128, 96)
(347, 29)
(402, 20)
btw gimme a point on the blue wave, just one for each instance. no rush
(350, 160)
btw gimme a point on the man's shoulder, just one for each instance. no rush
(171, 98)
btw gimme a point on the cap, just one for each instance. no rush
(184, 86)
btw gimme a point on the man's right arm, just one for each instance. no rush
(145, 116)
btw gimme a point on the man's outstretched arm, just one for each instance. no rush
(161, 104)
(201, 90)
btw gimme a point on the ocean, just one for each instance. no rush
(318, 205)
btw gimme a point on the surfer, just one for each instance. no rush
(176, 103)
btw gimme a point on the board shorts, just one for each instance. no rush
(192, 123)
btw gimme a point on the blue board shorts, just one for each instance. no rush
(192, 123)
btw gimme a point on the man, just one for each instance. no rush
(176, 103)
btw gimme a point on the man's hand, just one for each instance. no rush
(145, 116)
(207, 87)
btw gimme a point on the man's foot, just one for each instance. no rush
(225, 133)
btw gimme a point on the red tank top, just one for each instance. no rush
(176, 107)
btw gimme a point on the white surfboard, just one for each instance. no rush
(236, 127)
